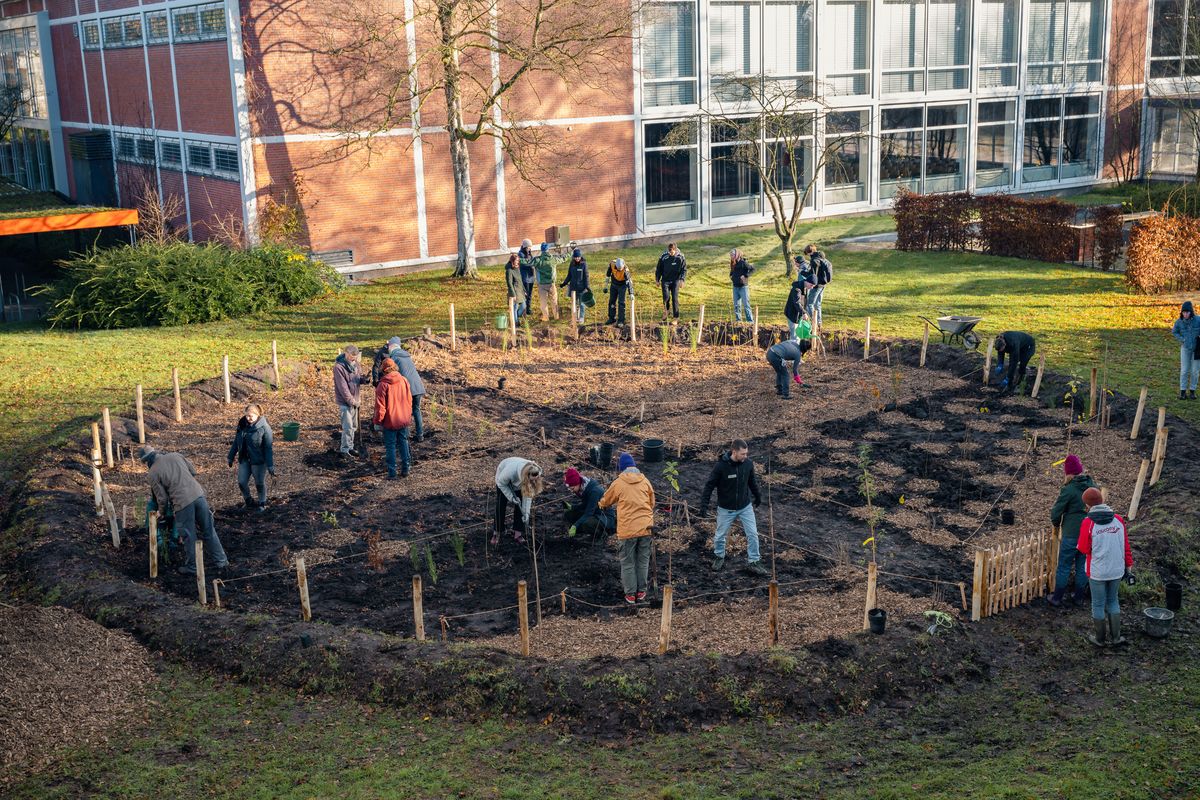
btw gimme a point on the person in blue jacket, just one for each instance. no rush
(253, 447)
(1187, 332)
(585, 516)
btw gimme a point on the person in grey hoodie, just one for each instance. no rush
(254, 450)
(408, 370)
(174, 484)
(518, 481)
(1187, 332)
(346, 383)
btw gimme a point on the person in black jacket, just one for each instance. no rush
(1018, 347)
(820, 273)
(737, 497)
(528, 277)
(739, 276)
(577, 282)
(586, 516)
(793, 309)
(255, 453)
(669, 275)
(788, 350)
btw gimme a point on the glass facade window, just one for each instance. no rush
(736, 187)
(995, 143)
(21, 65)
(946, 149)
(90, 32)
(1175, 42)
(846, 147)
(900, 149)
(999, 31)
(670, 167)
(1062, 138)
(848, 67)
(158, 29)
(669, 54)
(753, 43)
(788, 46)
(25, 159)
(1066, 41)
(1175, 144)
(170, 153)
(923, 149)
(927, 47)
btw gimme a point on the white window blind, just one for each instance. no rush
(949, 24)
(1046, 29)
(669, 51)
(904, 21)
(787, 35)
(733, 38)
(998, 31)
(847, 25)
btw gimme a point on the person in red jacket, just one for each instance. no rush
(1104, 540)
(393, 413)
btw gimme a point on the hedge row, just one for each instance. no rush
(1162, 254)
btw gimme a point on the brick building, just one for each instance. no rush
(222, 105)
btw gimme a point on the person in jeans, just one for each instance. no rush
(576, 282)
(404, 363)
(1187, 332)
(778, 355)
(737, 496)
(620, 281)
(547, 274)
(516, 290)
(669, 275)
(585, 516)
(633, 497)
(1104, 539)
(1068, 513)
(820, 273)
(1018, 347)
(255, 453)
(346, 383)
(518, 481)
(793, 308)
(528, 273)
(174, 484)
(393, 414)
(739, 276)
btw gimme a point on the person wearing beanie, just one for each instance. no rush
(175, 485)
(547, 282)
(817, 276)
(633, 497)
(739, 276)
(346, 383)
(577, 283)
(585, 516)
(254, 450)
(669, 275)
(1068, 513)
(1104, 540)
(1187, 332)
(1018, 347)
(778, 355)
(518, 481)
(528, 273)
(737, 496)
(620, 282)
(404, 363)
(393, 414)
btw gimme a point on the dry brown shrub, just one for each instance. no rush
(1162, 254)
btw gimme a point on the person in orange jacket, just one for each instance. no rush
(633, 496)
(393, 413)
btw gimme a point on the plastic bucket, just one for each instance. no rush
(1174, 596)
(878, 619)
(652, 450)
(291, 431)
(1158, 621)
(501, 321)
(1006, 516)
(602, 455)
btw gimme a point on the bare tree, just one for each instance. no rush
(1176, 60)
(14, 103)
(157, 213)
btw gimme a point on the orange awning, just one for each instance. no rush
(68, 222)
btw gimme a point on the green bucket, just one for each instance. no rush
(501, 322)
(291, 431)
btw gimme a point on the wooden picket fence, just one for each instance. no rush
(1014, 573)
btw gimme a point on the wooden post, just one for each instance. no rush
(755, 340)
(153, 544)
(962, 592)
(987, 363)
(108, 443)
(664, 628)
(977, 585)
(924, 345)
(97, 483)
(872, 577)
(113, 527)
(225, 377)
(563, 600)
(217, 584)
(141, 420)
(642, 413)
(1162, 456)
(867, 346)
(1092, 396)
(700, 325)
(178, 399)
(302, 584)
(1162, 423)
(543, 429)
(453, 330)
(275, 363)
(418, 609)
(632, 318)
(1137, 417)
(201, 587)
(1037, 381)
(773, 610)
(1137, 489)
(95, 442)
(523, 616)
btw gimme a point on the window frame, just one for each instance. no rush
(925, 70)
(1065, 63)
(694, 150)
(693, 79)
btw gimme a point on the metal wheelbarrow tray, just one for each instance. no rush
(957, 330)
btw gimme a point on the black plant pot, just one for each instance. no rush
(878, 619)
(1007, 516)
(500, 383)
(1174, 596)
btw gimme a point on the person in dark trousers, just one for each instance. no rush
(254, 450)
(174, 484)
(393, 415)
(633, 497)
(528, 275)
(1104, 539)
(1068, 513)
(518, 481)
(820, 273)
(404, 362)
(1018, 348)
(516, 290)
(793, 309)
(346, 383)
(789, 350)
(620, 282)
(585, 516)
(739, 276)
(669, 275)
(577, 282)
(1186, 331)
(737, 497)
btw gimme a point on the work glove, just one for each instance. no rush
(230, 462)
(757, 502)
(271, 472)
(797, 379)
(377, 428)
(1129, 578)
(571, 531)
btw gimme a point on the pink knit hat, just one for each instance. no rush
(1073, 466)
(572, 477)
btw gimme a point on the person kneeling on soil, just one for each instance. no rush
(788, 350)
(518, 481)
(173, 482)
(633, 497)
(585, 516)
(1018, 347)
(404, 363)
(1068, 513)
(1104, 540)
(393, 413)
(737, 497)
(255, 453)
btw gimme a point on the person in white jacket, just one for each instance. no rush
(518, 481)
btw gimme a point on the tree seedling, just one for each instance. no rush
(866, 489)
(329, 518)
(664, 333)
(459, 544)
(431, 565)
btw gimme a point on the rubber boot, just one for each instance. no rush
(1182, 394)
(1056, 599)
(1114, 630)
(1099, 636)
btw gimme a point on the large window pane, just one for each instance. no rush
(787, 31)
(669, 54)
(899, 162)
(994, 155)
(733, 48)
(998, 31)
(903, 55)
(946, 160)
(949, 44)
(1085, 44)
(1081, 144)
(848, 24)
(845, 172)
(1047, 34)
(1168, 28)
(670, 173)
(735, 183)
(1041, 151)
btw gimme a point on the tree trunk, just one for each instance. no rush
(789, 255)
(460, 157)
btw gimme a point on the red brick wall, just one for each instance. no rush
(68, 67)
(162, 89)
(60, 8)
(214, 203)
(1123, 117)
(172, 186)
(95, 79)
(127, 90)
(114, 5)
(439, 195)
(205, 96)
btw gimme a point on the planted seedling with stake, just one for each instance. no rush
(866, 490)
(459, 544)
(431, 565)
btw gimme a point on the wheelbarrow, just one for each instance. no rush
(957, 330)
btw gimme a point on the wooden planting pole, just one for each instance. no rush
(1136, 502)
(201, 588)
(977, 585)
(562, 597)
(523, 616)
(962, 592)
(924, 345)
(453, 330)
(1092, 396)
(664, 628)
(700, 325)
(987, 363)
(225, 377)
(113, 527)
(418, 609)
(108, 443)
(302, 584)
(512, 320)
(773, 610)
(872, 577)
(867, 341)
(632, 318)
(178, 399)
(1162, 423)
(1104, 391)
(95, 442)
(1137, 417)
(275, 363)
(153, 544)
(1037, 381)
(642, 413)
(141, 420)
(1162, 457)
(97, 483)
(217, 584)
(755, 339)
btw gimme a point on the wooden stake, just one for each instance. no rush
(872, 577)
(418, 609)
(867, 343)
(563, 600)
(275, 363)
(201, 587)
(962, 592)
(1137, 417)
(95, 443)
(178, 399)
(700, 325)
(141, 420)
(153, 544)
(664, 628)
(1162, 423)
(523, 616)
(632, 318)
(924, 345)
(217, 584)
(543, 429)
(445, 623)
(977, 586)
(987, 363)
(108, 442)
(225, 377)
(773, 610)
(302, 584)
(1092, 396)
(453, 330)
(113, 527)
(755, 339)
(1162, 457)
(97, 483)
(642, 413)
(1037, 381)
(1137, 489)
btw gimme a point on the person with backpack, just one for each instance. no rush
(669, 276)
(528, 274)
(620, 282)
(820, 274)
(794, 309)
(393, 414)
(547, 282)
(633, 497)
(404, 363)
(577, 282)
(739, 276)
(778, 355)
(1068, 514)
(1186, 331)
(737, 496)
(1104, 540)
(516, 289)
(254, 450)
